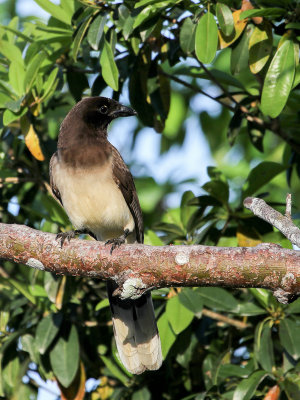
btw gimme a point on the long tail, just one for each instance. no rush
(136, 332)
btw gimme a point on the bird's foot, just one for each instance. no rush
(116, 242)
(62, 236)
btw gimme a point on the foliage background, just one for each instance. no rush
(166, 58)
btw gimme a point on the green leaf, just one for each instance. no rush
(102, 304)
(217, 189)
(64, 357)
(11, 52)
(186, 210)
(225, 18)
(46, 331)
(28, 344)
(264, 346)
(96, 30)
(115, 370)
(126, 21)
(262, 296)
(50, 83)
(144, 15)
(110, 71)
(217, 298)
(178, 315)
(263, 12)
(279, 80)
(33, 69)
(249, 309)
(206, 38)
(187, 36)
(259, 176)
(79, 36)
(294, 308)
(245, 390)
(56, 11)
(260, 46)
(141, 394)
(289, 334)
(240, 52)
(167, 335)
(16, 75)
(191, 299)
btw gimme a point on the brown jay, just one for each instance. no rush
(95, 187)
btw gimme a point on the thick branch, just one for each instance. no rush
(138, 267)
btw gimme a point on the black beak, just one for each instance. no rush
(122, 111)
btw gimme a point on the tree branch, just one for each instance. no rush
(282, 222)
(137, 268)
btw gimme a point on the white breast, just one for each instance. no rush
(92, 200)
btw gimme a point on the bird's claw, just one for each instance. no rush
(116, 242)
(62, 236)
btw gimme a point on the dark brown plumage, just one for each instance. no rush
(92, 182)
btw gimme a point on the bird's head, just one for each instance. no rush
(100, 111)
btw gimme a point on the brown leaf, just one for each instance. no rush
(76, 390)
(246, 5)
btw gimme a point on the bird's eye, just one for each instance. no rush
(103, 109)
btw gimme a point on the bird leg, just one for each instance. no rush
(116, 242)
(62, 236)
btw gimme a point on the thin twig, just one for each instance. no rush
(284, 224)
(223, 318)
(219, 84)
(197, 90)
(288, 209)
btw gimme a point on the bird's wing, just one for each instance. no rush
(54, 188)
(125, 183)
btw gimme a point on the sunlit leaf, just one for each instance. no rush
(239, 26)
(110, 71)
(225, 18)
(279, 80)
(260, 47)
(206, 41)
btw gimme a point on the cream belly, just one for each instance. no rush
(92, 200)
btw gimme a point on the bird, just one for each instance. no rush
(90, 179)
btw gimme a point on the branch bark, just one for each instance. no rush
(137, 268)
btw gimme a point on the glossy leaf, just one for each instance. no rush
(46, 331)
(178, 316)
(225, 18)
(247, 387)
(279, 80)
(206, 41)
(263, 12)
(260, 47)
(96, 31)
(64, 357)
(79, 36)
(110, 71)
(56, 11)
